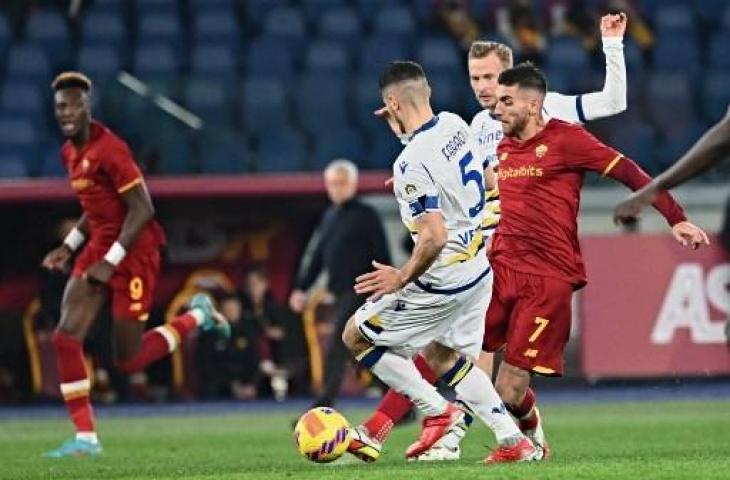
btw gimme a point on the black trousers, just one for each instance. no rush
(338, 355)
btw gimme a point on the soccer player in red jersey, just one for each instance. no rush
(535, 254)
(119, 263)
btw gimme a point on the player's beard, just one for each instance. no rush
(517, 125)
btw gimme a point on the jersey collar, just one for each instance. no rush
(426, 126)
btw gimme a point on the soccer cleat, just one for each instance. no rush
(213, 319)
(523, 451)
(75, 448)
(435, 428)
(363, 446)
(537, 435)
(447, 448)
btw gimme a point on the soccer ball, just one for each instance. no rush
(322, 435)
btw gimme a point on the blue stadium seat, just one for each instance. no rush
(339, 142)
(367, 100)
(397, 21)
(264, 105)
(369, 8)
(284, 152)
(379, 51)
(385, 148)
(716, 94)
(12, 165)
(21, 99)
(315, 9)
(214, 60)
(160, 28)
(326, 58)
(209, 99)
(106, 28)
(6, 33)
(636, 140)
(216, 26)
(269, 57)
(28, 63)
(670, 102)
(667, 59)
(425, 13)
(147, 7)
(342, 25)
(439, 54)
(256, 10)
(51, 165)
(288, 24)
(674, 19)
(321, 103)
(48, 29)
(100, 62)
(18, 136)
(445, 94)
(710, 11)
(567, 54)
(558, 80)
(156, 62)
(719, 55)
(676, 145)
(175, 148)
(223, 153)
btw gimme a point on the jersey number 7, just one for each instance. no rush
(468, 176)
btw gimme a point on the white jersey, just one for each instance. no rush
(436, 171)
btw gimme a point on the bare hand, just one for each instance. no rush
(297, 301)
(613, 25)
(383, 280)
(99, 273)
(690, 235)
(57, 259)
(629, 210)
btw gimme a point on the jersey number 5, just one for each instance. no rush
(468, 176)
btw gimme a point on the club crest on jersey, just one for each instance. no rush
(85, 164)
(541, 150)
(410, 189)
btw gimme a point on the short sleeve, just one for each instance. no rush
(419, 190)
(121, 168)
(584, 151)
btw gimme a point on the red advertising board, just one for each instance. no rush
(653, 308)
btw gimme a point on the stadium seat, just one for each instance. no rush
(670, 103)
(12, 165)
(99, 62)
(160, 28)
(21, 99)
(367, 100)
(146, 7)
(369, 8)
(338, 143)
(315, 9)
(674, 19)
(397, 21)
(719, 54)
(18, 136)
(6, 33)
(156, 62)
(269, 57)
(223, 153)
(378, 51)
(567, 54)
(326, 58)
(385, 148)
(284, 152)
(264, 105)
(321, 103)
(666, 58)
(104, 28)
(445, 94)
(256, 10)
(48, 28)
(425, 13)
(288, 24)
(214, 60)
(716, 94)
(51, 165)
(439, 55)
(636, 140)
(215, 26)
(208, 99)
(342, 25)
(676, 145)
(28, 63)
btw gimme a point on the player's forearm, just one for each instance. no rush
(710, 149)
(139, 212)
(83, 225)
(427, 249)
(612, 99)
(631, 175)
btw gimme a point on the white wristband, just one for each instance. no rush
(74, 239)
(116, 254)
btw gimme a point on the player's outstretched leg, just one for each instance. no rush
(165, 339)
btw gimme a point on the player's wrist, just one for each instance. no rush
(74, 240)
(116, 254)
(402, 282)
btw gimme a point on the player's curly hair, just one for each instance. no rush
(71, 80)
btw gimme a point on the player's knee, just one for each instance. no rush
(70, 329)
(439, 358)
(352, 338)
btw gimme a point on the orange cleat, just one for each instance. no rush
(523, 451)
(434, 428)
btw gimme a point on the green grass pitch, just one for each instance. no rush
(667, 440)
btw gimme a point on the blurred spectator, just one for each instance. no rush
(575, 18)
(637, 28)
(349, 237)
(519, 23)
(459, 22)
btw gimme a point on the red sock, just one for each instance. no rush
(159, 342)
(394, 406)
(525, 412)
(75, 383)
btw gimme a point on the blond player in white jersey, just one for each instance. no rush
(436, 299)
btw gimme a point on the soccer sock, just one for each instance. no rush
(161, 341)
(525, 412)
(75, 384)
(394, 406)
(402, 375)
(474, 388)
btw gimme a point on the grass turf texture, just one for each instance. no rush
(667, 440)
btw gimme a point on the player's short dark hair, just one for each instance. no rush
(524, 75)
(71, 80)
(400, 71)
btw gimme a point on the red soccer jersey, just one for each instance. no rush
(99, 174)
(539, 185)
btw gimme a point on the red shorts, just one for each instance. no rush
(530, 315)
(133, 283)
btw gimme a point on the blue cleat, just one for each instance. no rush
(75, 448)
(213, 320)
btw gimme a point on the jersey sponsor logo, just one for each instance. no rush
(82, 183)
(541, 150)
(526, 171)
(487, 137)
(453, 146)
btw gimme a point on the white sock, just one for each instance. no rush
(476, 390)
(401, 375)
(198, 314)
(87, 437)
